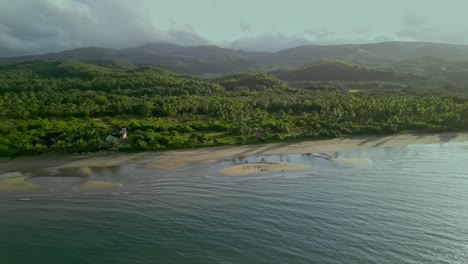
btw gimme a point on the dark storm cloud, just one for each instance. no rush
(37, 26)
(51, 25)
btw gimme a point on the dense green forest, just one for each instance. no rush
(68, 107)
(429, 75)
(344, 71)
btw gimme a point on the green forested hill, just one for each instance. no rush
(340, 71)
(84, 103)
(374, 53)
(209, 60)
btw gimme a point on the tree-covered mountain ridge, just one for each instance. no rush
(214, 60)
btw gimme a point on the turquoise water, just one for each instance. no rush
(409, 205)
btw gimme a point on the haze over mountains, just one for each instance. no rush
(214, 60)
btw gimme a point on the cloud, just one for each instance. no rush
(321, 33)
(185, 35)
(419, 33)
(268, 42)
(275, 41)
(56, 25)
(246, 28)
(39, 26)
(433, 34)
(413, 19)
(362, 30)
(383, 39)
(418, 28)
(51, 25)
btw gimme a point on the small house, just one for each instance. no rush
(117, 137)
(259, 134)
(48, 139)
(123, 133)
(111, 139)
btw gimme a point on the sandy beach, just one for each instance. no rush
(176, 159)
(171, 160)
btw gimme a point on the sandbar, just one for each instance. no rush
(17, 184)
(256, 168)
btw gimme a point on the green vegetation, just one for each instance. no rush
(84, 103)
(344, 71)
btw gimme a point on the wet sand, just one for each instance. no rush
(66, 165)
(171, 160)
(176, 159)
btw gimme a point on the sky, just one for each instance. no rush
(39, 26)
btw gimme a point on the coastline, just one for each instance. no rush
(172, 160)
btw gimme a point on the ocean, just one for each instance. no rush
(406, 204)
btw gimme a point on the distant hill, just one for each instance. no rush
(366, 53)
(55, 69)
(339, 71)
(306, 55)
(442, 76)
(194, 59)
(214, 60)
(411, 50)
(88, 53)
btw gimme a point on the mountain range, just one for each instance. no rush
(214, 60)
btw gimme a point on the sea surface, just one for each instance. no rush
(399, 205)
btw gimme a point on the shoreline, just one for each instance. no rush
(175, 159)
